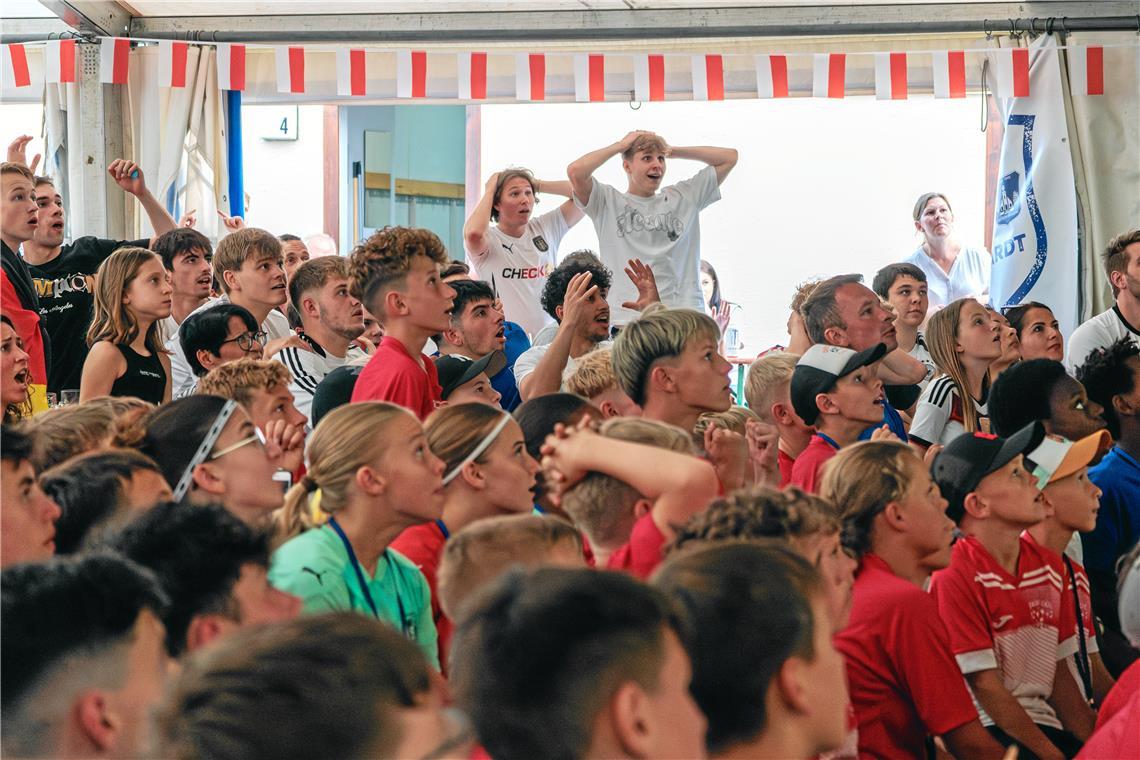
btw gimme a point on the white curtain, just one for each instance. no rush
(61, 118)
(177, 135)
(1104, 133)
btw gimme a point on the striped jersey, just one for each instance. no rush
(308, 368)
(940, 417)
(1021, 625)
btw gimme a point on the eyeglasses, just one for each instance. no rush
(257, 437)
(246, 340)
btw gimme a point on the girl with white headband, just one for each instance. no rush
(489, 473)
(210, 452)
(377, 477)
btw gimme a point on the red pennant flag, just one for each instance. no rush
(949, 73)
(1021, 72)
(649, 77)
(290, 64)
(771, 76)
(114, 57)
(890, 76)
(18, 65)
(172, 57)
(351, 75)
(708, 77)
(59, 61)
(1086, 70)
(231, 66)
(530, 76)
(589, 78)
(472, 75)
(829, 75)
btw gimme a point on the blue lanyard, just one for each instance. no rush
(443, 529)
(408, 626)
(828, 440)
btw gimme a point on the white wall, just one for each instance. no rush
(822, 187)
(285, 179)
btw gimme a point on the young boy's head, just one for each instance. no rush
(595, 380)
(644, 163)
(763, 659)
(673, 353)
(984, 477)
(485, 549)
(395, 274)
(904, 287)
(1041, 389)
(17, 187)
(222, 333)
(248, 265)
(320, 297)
(187, 255)
(260, 385)
(1072, 499)
(477, 323)
(466, 380)
(554, 292)
(561, 663)
(1112, 378)
(605, 508)
(831, 383)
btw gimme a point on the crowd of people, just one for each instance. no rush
(412, 502)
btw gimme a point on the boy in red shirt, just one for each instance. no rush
(628, 486)
(1002, 597)
(1073, 501)
(905, 685)
(395, 274)
(837, 390)
(768, 392)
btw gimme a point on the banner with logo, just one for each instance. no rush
(1035, 212)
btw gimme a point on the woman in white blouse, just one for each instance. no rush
(952, 270)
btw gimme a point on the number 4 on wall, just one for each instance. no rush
(272, 122)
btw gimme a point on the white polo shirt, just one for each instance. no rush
(969, 277)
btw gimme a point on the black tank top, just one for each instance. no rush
(145, 377)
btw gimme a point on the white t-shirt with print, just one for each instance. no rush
(518, 267)
(969, 277)
(276, 325)
(663, 231)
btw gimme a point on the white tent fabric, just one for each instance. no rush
(1104, 133)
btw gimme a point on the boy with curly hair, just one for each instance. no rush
(395, 273)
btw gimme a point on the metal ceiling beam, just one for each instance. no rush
(99, 17)
(655, 24)
(18, 30)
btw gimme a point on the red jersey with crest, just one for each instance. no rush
(1020, 624)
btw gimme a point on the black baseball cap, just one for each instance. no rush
(960, 467)
(820, 367)
(454, 371)
(334, 390)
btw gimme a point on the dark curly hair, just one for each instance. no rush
(1105, 374)
(1020, 395)
(554, 292)
(760, 512)
(386, 256)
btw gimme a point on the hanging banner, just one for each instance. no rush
(1035, 211)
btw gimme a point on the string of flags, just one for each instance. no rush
(1009, 66)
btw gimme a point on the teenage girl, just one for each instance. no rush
(377, 477)
(127, 358)
(489, 473)
(963, 341)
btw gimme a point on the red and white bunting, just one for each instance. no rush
(589, 78)
(411, 74)
(59, 61)
(649, 77)
(829, 75)
(290, 69)
(890, 76)
(708, 77)
(530, 76)
(16, 72)
(949, 68)
(771, 76)
(231, 66)
(114, 57)
(1011, 67)
(172, 63)
(472, 72)
(1086, 70)
(351, 73)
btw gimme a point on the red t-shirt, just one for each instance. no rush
(1116, 739)
(903, 679)
(786, 462)
(1021, 625)
(641, 555)
(808, 468)
(1126, 687)
(423, 545)
(392, 375)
